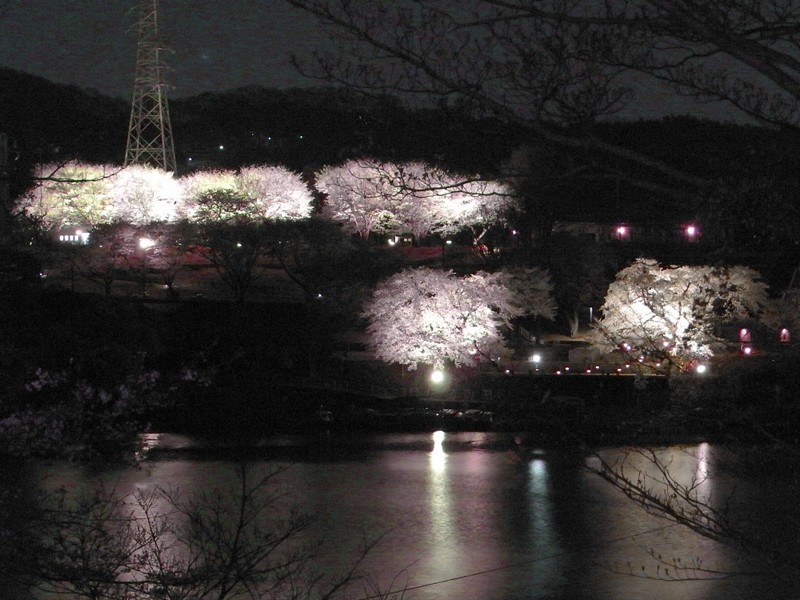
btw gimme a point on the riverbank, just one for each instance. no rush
(89, 373)
(544, 411)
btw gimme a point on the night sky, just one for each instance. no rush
(215, 46)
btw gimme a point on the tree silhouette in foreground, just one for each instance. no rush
(233, 541)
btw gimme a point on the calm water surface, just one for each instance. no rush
(470, 516)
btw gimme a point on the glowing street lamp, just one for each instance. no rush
(445, 244)
(437, 376)
(692, 232)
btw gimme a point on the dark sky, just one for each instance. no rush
(216, 45)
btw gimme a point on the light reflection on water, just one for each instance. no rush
(445, 553)
(463, 517)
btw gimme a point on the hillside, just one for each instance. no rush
(307, 128)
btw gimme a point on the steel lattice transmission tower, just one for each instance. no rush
(150, 132)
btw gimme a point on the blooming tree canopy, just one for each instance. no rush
(267, 192)
(72, 194)
(87, 195)
(276, 192)
(422, 192)
(431, 316)
(475, 204)
(143, 194)
(199, 184)
(412, 197)
(671, 314)
(360, 196)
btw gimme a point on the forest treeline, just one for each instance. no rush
(307, 128)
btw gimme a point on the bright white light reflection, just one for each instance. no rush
(701, 472)
(438, 457)
(541, 502)
(539, 473)
(444, 558)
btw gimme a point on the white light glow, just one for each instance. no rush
(437, 376)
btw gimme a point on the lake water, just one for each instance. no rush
(472, 516)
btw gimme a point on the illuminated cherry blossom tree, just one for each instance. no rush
(476, 205)
(670, 315)
(143, 194)
(413, 197)
(87, 195)
(432, 200)
(421, 192)
(276, 192)
(266, 192)
(434, 317)
(74, 194)
(359, 195)
(200, 184)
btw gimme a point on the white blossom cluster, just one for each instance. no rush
(674, 312)
(368, 196)
(433, 317)
(364, 196)
(85, 195)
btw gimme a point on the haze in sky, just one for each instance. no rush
(214, 46)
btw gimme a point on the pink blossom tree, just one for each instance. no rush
(359, 195)
(276, 192)
(669, 316)
(413, 197)
(74, 194)
(267, 192)
(434, 317)
(200, 184)
(421, 191)
(476, 205)
(143, 194)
